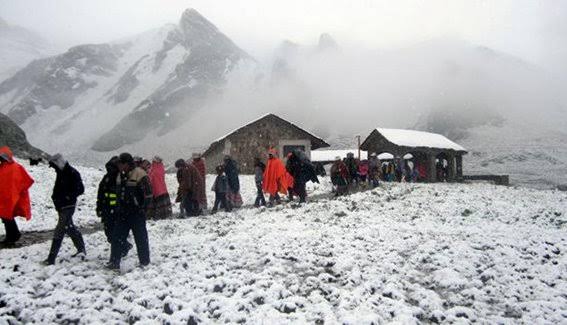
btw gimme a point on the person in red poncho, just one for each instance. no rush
(14, 196)
(160, 206)
(199, 163)
(275, 179)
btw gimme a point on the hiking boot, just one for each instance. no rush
(128, 248)
(11, 240)
(112, 267)
(81, 254)
(48, 262)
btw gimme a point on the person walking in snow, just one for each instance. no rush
(14, 195)
(232, 172)
(302, 171)
(275, 180)
(363, 167)
(352, 167)
(374, 170)
(220, 187)
(259, 168)
(190, 183)
(68, 187)
(199, 163)
(339, 176)
(134, 196)
(160, 206)
(107, 198)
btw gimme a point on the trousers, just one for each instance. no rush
(65, 226)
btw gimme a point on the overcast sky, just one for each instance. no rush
(535, 30)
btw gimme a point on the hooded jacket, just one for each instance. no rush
(68, 185)
(231, 171)
(199, 164)
(275, 179)
(14, 195)
(190, 182)
(157, 179)
(300, 167)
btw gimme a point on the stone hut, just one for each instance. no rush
(256, 138)
(425, 148)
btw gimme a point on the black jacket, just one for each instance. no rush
(68, 186)
(107, 197)
(301, 169)
(221, 184)
(231, 171)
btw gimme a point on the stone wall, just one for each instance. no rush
(254, 140)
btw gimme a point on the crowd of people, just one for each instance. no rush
(134, 189)
(351, 174)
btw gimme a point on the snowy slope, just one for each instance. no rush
(18, 47)
(402, 253)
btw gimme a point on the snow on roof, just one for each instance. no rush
(240, 127)
(330, 155)
(262, 117)
(411, 138)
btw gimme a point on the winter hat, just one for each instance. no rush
(338, 158)
(58, 161)
(126, 158)
(157, 159)
(4, 156)
(180, 163)
(373, 154)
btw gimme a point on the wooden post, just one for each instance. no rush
(451, 168)
(358, 146)
(459, 160)
(431, 170)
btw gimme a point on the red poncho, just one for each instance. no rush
(199, 163)
(14, 196)
(275, 179)
(157, 179)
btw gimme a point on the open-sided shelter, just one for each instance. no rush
(426, 148)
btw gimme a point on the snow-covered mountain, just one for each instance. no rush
(174, 89)
(121, 91)
(18, 47)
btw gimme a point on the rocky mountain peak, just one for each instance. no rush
(193, 22)
(327, 42)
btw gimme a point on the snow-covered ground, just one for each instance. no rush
(403, 252)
